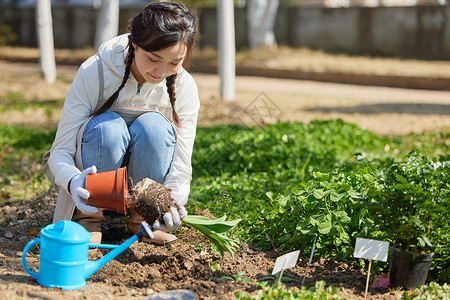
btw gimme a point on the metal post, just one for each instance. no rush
(44, 24)
(227, 49)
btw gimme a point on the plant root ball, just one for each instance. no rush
(151, 200)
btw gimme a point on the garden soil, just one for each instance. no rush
(145, 270)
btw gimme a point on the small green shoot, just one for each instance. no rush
(276, 277)
(215, 231)
(214, 266)
(236, 277)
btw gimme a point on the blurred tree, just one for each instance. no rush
(261, 20)
(107, 22)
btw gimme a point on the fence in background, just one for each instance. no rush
(421, 32)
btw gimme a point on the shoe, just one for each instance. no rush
(92, 223)
(161, 237)
(96, 237)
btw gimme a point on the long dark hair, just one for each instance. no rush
(158, 26)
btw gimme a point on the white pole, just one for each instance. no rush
(107, 22)
(261, 21)
(44, 24)
(227, 49)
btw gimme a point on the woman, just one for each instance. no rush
(148, 123)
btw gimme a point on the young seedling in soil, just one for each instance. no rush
(152, 200)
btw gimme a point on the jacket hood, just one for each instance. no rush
(113, 53)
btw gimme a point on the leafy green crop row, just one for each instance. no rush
(292, 184)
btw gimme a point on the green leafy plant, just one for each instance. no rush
(327, 209)
(410, 203)
(215, 231)
(431, 292)
(278, 291)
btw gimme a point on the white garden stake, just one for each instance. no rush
(310, 258)
(312, 251)
(372, 250)
(286, 261)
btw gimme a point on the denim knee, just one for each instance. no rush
(105, 141)
(151, 126)
(152, 147)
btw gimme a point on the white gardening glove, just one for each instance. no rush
(79, 192)
(172, 219)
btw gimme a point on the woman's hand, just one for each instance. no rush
(79, 192)
(172, 219)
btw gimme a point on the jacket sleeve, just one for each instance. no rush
(80, 100)
(187, 106)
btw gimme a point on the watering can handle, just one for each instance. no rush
(24, 256)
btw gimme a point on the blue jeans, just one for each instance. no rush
(146, 146)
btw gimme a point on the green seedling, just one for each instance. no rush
(214, 266)
(236, 277)
(215, 231)
(276, 277)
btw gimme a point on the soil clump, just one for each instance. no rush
(151, 200)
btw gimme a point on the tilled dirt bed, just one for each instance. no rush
(144, 269)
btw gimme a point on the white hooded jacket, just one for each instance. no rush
(85, 95)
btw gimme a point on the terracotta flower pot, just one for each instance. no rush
(108, 190)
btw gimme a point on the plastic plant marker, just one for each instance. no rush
(285, 261)
(371, 250)
(310, 257)
(312, 251)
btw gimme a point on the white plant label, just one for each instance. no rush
(285, 261)
(371, 249)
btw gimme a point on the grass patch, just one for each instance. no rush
(10, 104)
(13, 96)
(21, 151)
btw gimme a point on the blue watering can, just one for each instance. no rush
(63, 261)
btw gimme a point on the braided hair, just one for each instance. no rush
(158, 26)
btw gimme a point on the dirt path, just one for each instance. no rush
(382, 110)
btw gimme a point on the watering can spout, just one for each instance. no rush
(93, 266)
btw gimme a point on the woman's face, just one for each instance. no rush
(154, 67)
